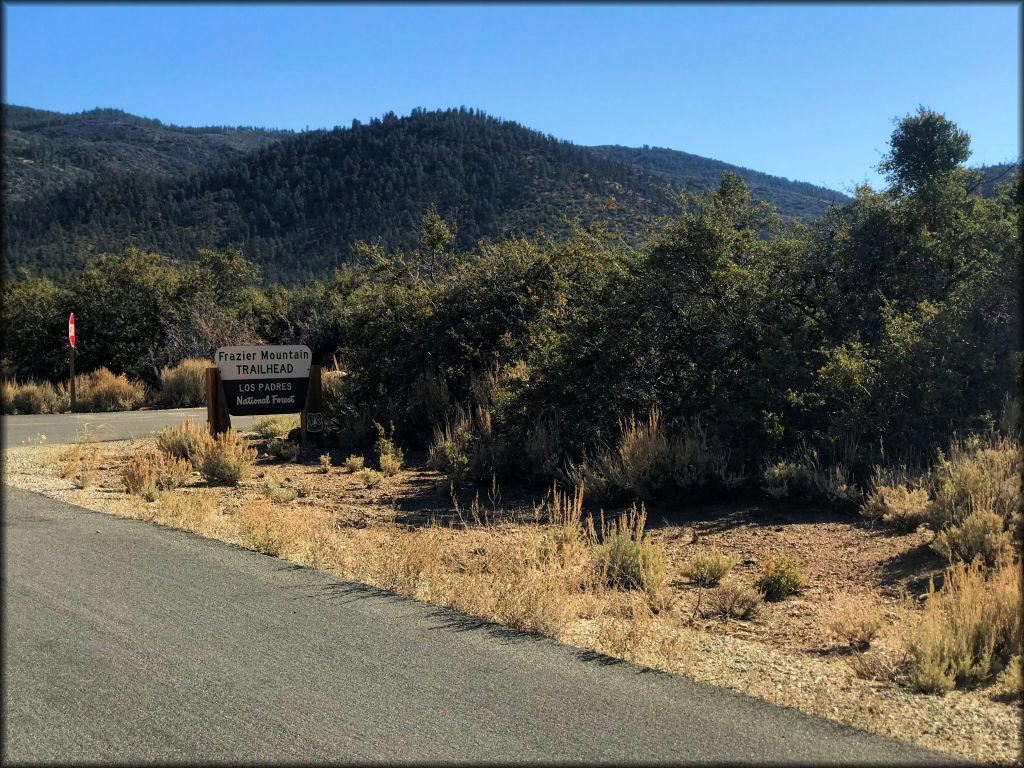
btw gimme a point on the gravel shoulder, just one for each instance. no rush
(785, 657)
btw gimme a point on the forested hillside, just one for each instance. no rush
(794, 199)
(45, 152)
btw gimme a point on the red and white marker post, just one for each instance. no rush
(71, 338)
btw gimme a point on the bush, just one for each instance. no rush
(283, 450)
(977, 497)
(353, 463)
(186, 441)
(450, 451)
(370, 477)
(706, 569)
(225, 460)
(981, 535)
(277, 493)
(325, 463)
(269, 427)
(644, 456)
(971, 627)
(389, 456)
(147, 473)
(102, 391)
(900, 506)
(732, 601)
(627, 559)
(779, 579)
(31, 398)
(854, 619)
(183, 385)
(786, 478)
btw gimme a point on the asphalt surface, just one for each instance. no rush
(125, 642)
(123, 425)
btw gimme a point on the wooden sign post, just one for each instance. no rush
(312, 419)
(217, 418)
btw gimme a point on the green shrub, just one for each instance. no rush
(370, 477)
(779, 579)
(389, 456)
(627, 559)
(277, 493)
(185, 441)
(225, 460)
(183, 385)
(283, 450)
(732, 601)
(449, 453)
(269, 427)
(787, 478)
(706, 569)
(325, 463)
(899, 506)
(978, 480)
(981, 534)
(353, 463)
(971, 627)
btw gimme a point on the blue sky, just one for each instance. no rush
(804, 91)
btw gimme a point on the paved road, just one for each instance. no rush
(68, 427)
(125, 641)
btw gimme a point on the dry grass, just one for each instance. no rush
(854, 619)
(183, 385)
(186, 441)
(706, 569)
(145, 474)
(225, 460)
(353, 463)
(970, 629)
(102, 391)
(30, 397)
(735, 601)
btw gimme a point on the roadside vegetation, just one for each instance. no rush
(862, 368)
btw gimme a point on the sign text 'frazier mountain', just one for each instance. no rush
(266, 379)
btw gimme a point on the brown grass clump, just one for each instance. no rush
(970, 629)
(183, 385)
(225, 460)
(854, 619)
(195, 511)
(186, 441)
(102, 391)
(706, 569)
(29, 397)
(147, 473)
(644, 456)
(79, 461)
(733, 601)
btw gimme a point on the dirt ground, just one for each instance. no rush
(786, 655)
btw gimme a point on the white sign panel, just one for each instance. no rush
(264, 362)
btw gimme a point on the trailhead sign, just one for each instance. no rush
(262, 380)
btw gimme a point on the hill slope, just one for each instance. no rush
(792, 198)
(45, 152)
(298, 205)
